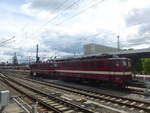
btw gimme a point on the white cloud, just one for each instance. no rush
(40, 14)
(100, 24)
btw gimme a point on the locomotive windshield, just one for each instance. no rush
(126, 63)
(121, 63)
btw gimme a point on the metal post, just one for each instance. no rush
(37, 51)
(4, 100)
(34, 108)
(118, 43)
(29, 60)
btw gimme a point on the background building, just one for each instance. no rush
(96, 48)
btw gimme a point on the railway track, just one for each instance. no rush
(51, 102)
(131, 104)
(123, 101)
(126, 103)
(18, 96)
(134, 90)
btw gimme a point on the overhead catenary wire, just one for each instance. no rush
(7, 40)
(81, 11)
(74, 3)
(59, 13)
(6, 44)
(61, 5)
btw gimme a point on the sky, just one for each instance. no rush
(62, 27)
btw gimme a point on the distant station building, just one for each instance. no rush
(90, 49)
(95, 49)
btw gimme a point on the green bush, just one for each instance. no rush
(146, 66)
(139, 66)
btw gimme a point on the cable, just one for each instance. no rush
(61, 11)
(59, 7)
(4, 42)
(7, 40)
(80, 12)
(51, 20)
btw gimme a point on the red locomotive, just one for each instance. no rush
(112, 70)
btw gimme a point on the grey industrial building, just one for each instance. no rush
(91, 48)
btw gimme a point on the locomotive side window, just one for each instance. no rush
(117, 64)
(124, 63)
(81, 64)
(129, 64)
(95, 64)
(101, 64)
(68, 64)
(77, 65)
(55, 65)
(88, 64)
(50, 64)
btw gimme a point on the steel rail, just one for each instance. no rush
(33, 98)
(100, 96)
(97, 95)
(73, 106)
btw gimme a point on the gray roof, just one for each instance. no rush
(143, 53)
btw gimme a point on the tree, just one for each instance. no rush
(139, 66)
(146, 65)
(128, 49)
(15, 60)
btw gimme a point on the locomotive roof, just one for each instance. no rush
(89, 58)
(83, 58)
(121, 58)
(75, 60)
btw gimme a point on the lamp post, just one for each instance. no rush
(118, 43)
